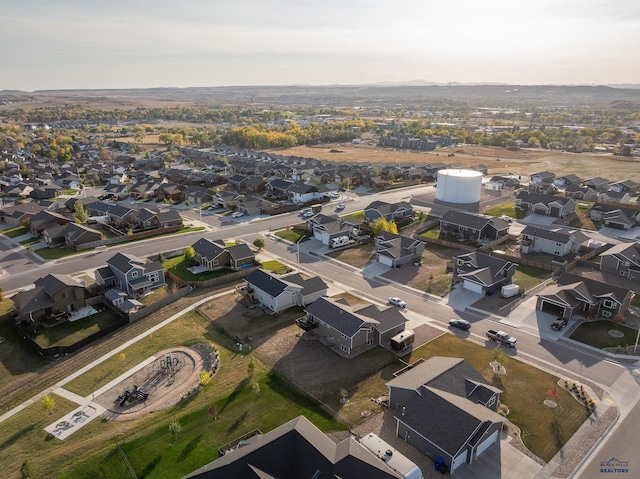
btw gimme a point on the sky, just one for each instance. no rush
(71, 44)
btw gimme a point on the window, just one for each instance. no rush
(344, 348)
(370, 341)
(608, 303)
(134, 274)
(344, 336)
(491, 401)
(153, 277)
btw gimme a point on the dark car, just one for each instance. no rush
(559, 323)
(460, 324)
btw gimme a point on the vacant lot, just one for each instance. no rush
(498, 160)
(358, 256)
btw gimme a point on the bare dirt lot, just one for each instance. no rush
(498, 160)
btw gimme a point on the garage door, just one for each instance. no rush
(540, 211)
(551, 308)
(317, 234)
(555, 211)
(458, 461)
(475, 287)
(487, 443)
(385, 260)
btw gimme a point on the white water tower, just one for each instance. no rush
(459, 186)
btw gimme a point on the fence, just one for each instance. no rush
(152, 308)
(216, 281)
(134, 236)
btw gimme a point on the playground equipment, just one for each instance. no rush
(137, 393)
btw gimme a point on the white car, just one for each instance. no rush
(397, 302)
(237, 214)
(340, 207)
(334, 194)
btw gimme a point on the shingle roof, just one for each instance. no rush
(266, 282)
(339, 317)
(311, 285)
(124, 262)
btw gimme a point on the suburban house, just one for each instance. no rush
(71, 234)
(277, 293)
(567, 180)
(351, 330)
(327, 227)
(47, 191)
(446, 409)
(622, 260)
(505, 181)
(296, 449)
(558, 241)
(169, 192)
(226, 199)
(612, 196)
(597, 183)
(543, 177)
(586, 297)
(215, 255)
(619, 217)
(389, 211)
(46, 219)
(122, 215)
(482, 273)
(277, 188)
(542, 188)
(117, 191)
(54, 297)
(395, 250)
(626, 186)
(19, 214)
(149, 219)
(130, 274)
(548, 205)
(581, 193)
(250, 205)
(472, 227)
(300, 192)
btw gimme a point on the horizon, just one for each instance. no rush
(72, 45)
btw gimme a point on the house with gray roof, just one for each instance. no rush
(277, 293)
(446, 409)
(215, 255)
(301, 192)
(351, 330)
(389, 211)
(555, 241)
(482, 273)
(327, 227)
(543, 177)
(614, 216)
(149, 219)
(395, 250)
(46, 219)
(567, 180)
(294, 450)
(541, 204)
(469, 226)
(626, 186)
(581, 193)
(131, 274)
(577, 295)
(53, 295)
(613, 196)
(622, 260)
(598, 183)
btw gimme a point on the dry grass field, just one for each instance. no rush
(497, 160)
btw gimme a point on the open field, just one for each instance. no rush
(498, 160)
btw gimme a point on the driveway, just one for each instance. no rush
(460, 298)
(538, 219)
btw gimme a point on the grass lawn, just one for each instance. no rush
(583, 220)
(15, 231)
(357, 216)
(66, 334)
(157, 294)
(596, 334)
(30, 241)
(276, 266)
(293, 235)
(69, 192)
(358, 256)
(529, 276)
(178, 265)
(17, 359)
(509, 210)
(434, 233)
(544, 430)
(432, 275)
(56, 253)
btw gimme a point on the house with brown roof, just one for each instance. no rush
(54, 296)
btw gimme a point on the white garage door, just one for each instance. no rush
(476, 288)
(458, 461)
(317, 234)
(487, 443)
(385, 260)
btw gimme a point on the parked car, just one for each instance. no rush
(307, 214)
(506, 218)
(397, 302)
(340, 207)
(559, 323)
(460, 324)
(334, 194)
(237, 214)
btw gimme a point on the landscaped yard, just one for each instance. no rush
(528, 276)
(596, 334)
(178, 265)
(15, 231)
(509, 210)
(358, 256)
(293, 234)
(68, 333)
(358, 216)
(434, 233)
(275, 266)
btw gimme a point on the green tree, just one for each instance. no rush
(80, 214)
(258, 243)
(175, 428)
(189, 254)
(381, 224)
(48, 403)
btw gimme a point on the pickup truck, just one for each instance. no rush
(501, 337)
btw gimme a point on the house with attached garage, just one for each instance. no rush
(215, 255)
(580, 193)
(548, 205)
(577, 295)
(388, 211)
(482, 273)
(130, 274)
(351, 330)
(54, 296)
(567, 180)
(300, 192)
(468, 226)
(556, 241)
(626, 186)
(622, 260)
(612, 196)
(327, 227)
(543, 177)
(612, 216)
(446, 409)
(598, 183)
(277, 293)
(395, 250)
